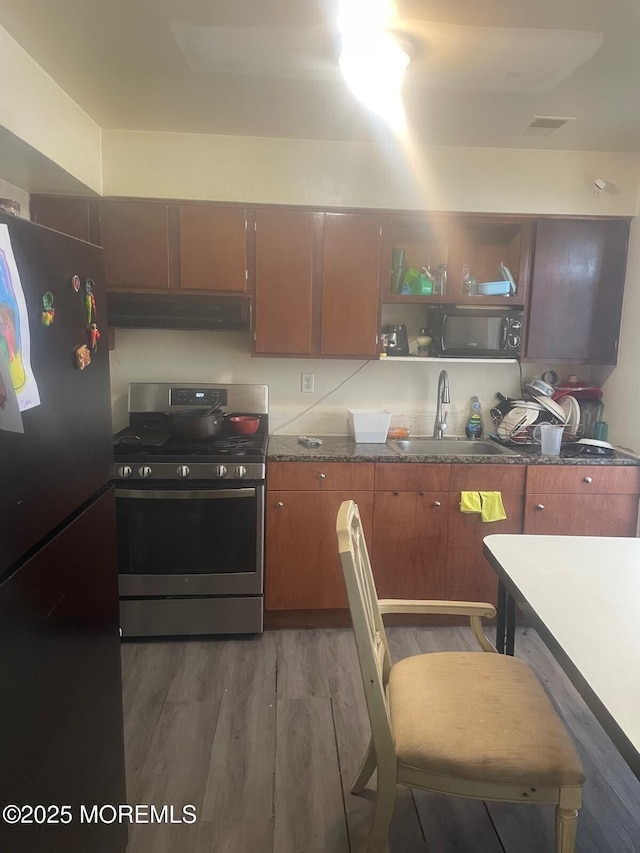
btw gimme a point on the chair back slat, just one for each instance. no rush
(371, 640)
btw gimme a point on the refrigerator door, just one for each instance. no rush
(63, 457)
(61, 731)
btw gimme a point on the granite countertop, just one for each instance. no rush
(342, 448)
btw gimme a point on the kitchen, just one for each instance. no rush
(74, 154)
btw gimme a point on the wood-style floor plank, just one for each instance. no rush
(309, 808)
(264, 735)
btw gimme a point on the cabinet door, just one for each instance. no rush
(350, 269)
(576, 293)
(469, 577)
(213, 252)
(303, 569)
(284, 281)
(581, 515)
(408, 552)
(74, 216)
(135, 238)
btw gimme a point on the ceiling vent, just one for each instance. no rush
(545, 125)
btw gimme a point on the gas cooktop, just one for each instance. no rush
(149, 448)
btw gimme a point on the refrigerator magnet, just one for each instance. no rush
(49, 312)
(90, 301)
(75, 283)
(94, 337)
(83, 356)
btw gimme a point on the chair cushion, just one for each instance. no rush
(479, 716)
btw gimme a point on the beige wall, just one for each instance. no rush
(308, 172)
(36, 110)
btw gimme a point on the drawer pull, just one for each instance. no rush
(588, 480)
(437, 503)
(322, 476)
(279, 504)
(539, 506)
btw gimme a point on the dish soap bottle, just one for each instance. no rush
(473, 428)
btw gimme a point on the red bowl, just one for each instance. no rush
(244, 424)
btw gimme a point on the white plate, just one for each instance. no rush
(571, 408)
(515, 421)
(527, 404)
(551, 406)
(594, 442)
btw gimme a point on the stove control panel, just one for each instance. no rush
(193, 471)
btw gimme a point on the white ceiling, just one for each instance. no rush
(482, 69)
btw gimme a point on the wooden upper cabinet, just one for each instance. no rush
(284, 281)
(135, 238)
(74, 216)
(350, 285)
(484, 247)
(576, 293)
(212, 243)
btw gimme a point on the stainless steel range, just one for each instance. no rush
(190, 513)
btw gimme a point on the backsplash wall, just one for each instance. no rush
(407, 389)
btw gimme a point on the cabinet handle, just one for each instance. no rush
(437, 503)
(279, 504)
(588, 480)
(539, 506)
(421, 494)
(322, 476)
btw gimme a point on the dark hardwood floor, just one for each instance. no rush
(264, 736)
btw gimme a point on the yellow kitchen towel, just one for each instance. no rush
(470, 502)
(492, 506)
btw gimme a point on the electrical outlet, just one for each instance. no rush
(307, 384)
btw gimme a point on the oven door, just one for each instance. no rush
(190, 539)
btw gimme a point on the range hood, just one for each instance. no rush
(179, 311)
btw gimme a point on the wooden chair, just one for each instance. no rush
(463, 723)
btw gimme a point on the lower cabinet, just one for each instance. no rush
(303, 569)
(421, 545)
(408, 548)
(589, 500)
(468, 576)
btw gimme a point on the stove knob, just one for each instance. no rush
(219, 471)
(144, 471)
(124, 471)
(182, 471)
(239, 471)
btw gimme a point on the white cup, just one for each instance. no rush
(550, 438)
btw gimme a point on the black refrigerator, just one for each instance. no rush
(61, 727)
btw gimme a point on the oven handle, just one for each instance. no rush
(174, 494)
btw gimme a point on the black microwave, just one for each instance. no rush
(461, 332)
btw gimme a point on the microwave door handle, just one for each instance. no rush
(443, 333)
(504, 333)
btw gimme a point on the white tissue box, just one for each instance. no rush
(369, 426)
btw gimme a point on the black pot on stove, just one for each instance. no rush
(198, 423)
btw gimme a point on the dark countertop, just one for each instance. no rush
(342, 448)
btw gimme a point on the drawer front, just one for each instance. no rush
(581, 515)
(412, 477)
(320, 476)
(499, 478)
(583, 479)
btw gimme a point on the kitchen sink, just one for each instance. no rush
(450, 446)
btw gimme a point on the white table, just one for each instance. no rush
(582, 594)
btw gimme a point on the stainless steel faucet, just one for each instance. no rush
(440, 423)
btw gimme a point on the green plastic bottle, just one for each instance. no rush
(473, 428)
